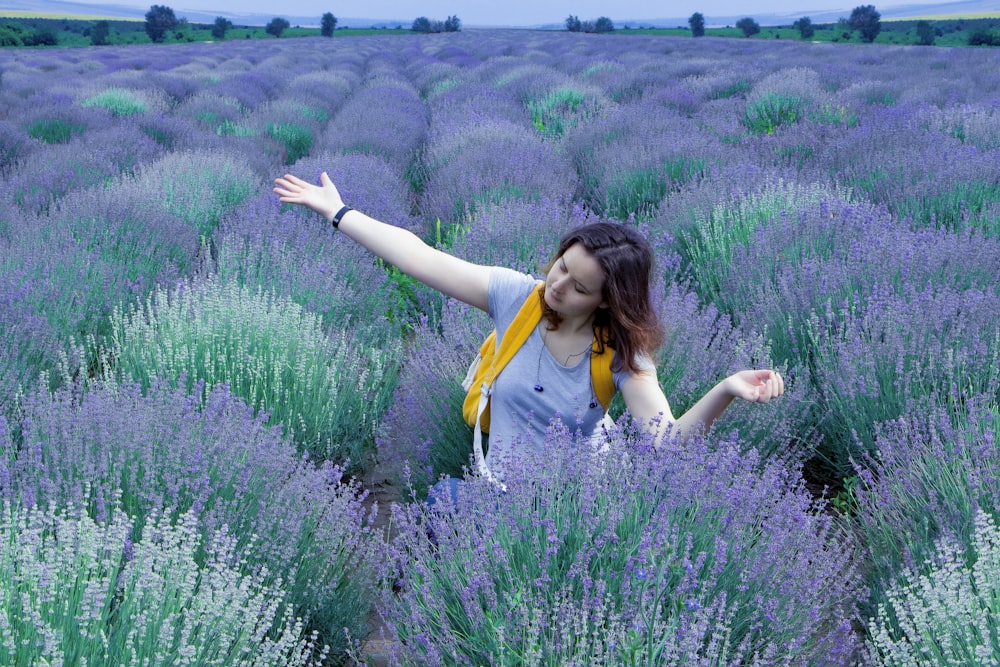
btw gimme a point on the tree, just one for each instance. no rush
(925, 33)
(573, 24)
(697, 23)
(748, 26)
(452, 24)
(866, 21)
(327, 24)
(160, 20)
(220, 27)
(983, 37)
(11, 34)
(603, 24)
(805, 27)
(421, 24)
(276, 26)
(99, 33)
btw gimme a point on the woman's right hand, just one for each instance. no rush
(323, 199)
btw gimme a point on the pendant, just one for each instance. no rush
(539, 388)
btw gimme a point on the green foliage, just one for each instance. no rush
(830, 114)
(772, 110)
(54, 130)
(328, 23)
(99, 33)
(638, 192)
(805, 27)
(328, 391)
(220, 27)
(160, 20)
(925, 33)
(230, 127)
(866, 21)
(276, 26)
(748, 26)
(119, 101)
(740, 87)
(984, 37)
(11, 35)
(554, 113)
(78, 592)
(603, 24)
(296, 138)
(16, 34)
(697, 23)
(708, 245)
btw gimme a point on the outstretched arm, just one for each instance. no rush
(446, 273)
(648, 405)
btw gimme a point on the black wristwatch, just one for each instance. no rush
(340, 214)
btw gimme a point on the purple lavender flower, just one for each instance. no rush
(628, 548)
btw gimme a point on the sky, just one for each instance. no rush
(521, 12)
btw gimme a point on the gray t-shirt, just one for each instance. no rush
(520, 415)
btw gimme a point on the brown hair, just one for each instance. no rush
(629, 325)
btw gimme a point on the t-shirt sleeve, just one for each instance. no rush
(644, 362)
(507, 291)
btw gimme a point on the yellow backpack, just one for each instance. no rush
(491, 360)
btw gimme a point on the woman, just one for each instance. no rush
(597, 288)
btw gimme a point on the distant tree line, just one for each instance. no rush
(17, 34)
(603, 24)
(424, 25)
(161, 24)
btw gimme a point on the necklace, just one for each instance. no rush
(538, 368)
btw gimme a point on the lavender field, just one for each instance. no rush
(201, 391)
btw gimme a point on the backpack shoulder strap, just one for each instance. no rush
(524, 322)
(601, 375)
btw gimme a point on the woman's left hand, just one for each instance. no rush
(757, 386)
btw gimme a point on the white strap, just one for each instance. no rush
(477, 438)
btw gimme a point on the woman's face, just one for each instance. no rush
(575, 283)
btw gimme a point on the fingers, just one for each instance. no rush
(772, 386)
(291, 188)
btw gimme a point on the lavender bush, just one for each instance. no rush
(197, 187)
(62, 281)
(259, 245)
(948, 615)
(147, 245)
(624, 557)
(936, 467)
(384, 117)
(82, 162)
(874, 361)
(628, 162)
(123, 102)
(78, 592)
(423, 435)
(116, 449)
(327, 390)
(489, 163)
